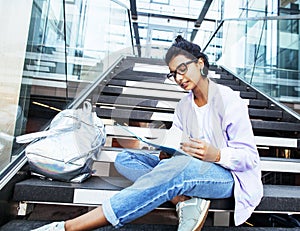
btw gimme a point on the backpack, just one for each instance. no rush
(67, 150)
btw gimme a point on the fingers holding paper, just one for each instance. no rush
(200, 149)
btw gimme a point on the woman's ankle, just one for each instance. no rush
(68, 225)
(180, 198)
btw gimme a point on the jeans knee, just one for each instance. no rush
(121, 158)
(121, 162)
(133, 165)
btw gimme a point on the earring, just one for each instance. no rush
(203, 72)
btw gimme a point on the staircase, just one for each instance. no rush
(137, 94)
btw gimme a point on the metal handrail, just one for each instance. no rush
(275, 102)
(19, 162)
(12, 169)
(84, 94)
(285, 17)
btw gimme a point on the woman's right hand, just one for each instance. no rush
(201, 150)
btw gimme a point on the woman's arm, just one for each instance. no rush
(241, 152)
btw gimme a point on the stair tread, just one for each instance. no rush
(143, 101)
(146, 115)
(25, 225)
(34, 189)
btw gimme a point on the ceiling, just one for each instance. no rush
(159, 21)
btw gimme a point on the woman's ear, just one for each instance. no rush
(203, 68)
(201, 62)
(203, 72)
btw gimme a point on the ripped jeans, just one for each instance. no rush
(156, 182)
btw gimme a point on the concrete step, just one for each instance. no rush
(21, 225)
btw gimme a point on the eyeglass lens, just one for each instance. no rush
(181, 69)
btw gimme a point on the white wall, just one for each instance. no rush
(14, 26)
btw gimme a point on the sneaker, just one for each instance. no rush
(192, 214)
(54, 226)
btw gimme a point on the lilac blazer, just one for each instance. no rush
(227, 126)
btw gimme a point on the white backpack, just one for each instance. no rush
(66, 151)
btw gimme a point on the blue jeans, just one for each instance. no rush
(156, 182)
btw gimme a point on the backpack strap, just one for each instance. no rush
(31, 136)
(26, 138)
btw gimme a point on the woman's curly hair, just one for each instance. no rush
(186, 48)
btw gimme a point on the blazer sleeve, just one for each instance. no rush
(241, 152)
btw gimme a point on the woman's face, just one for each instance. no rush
(187, 71)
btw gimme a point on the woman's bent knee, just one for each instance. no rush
(122, 158)
(132, 165)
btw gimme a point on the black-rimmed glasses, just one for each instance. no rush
(180, 69)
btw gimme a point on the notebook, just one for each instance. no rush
(168, 142)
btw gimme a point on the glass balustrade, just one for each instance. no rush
(55, 49)
(52, 50)
(261, 51)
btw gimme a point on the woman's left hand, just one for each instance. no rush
(201, 150)
(163, 155)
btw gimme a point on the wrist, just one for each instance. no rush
(218, 157)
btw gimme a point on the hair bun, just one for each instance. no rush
(184, 47)
(179, 39)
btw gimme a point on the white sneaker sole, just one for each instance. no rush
(203, 216)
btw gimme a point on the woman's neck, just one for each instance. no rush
(201, 93)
